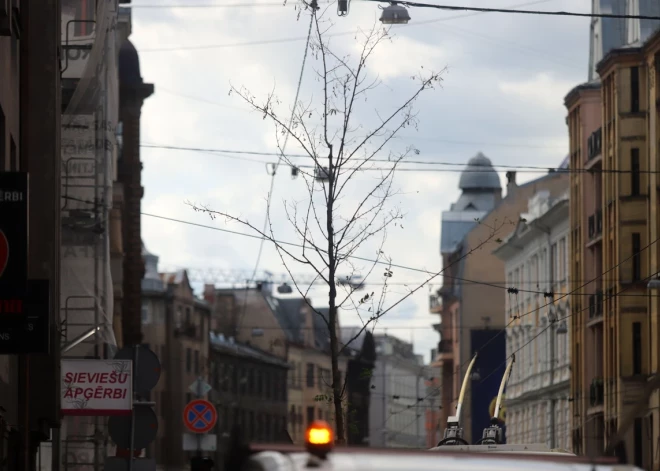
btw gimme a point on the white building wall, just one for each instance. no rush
(541, 375)
(396, 384)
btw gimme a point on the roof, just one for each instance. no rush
(479, 175)
(173, 278)
(397, 459)
(221, 344)
(288, 313)
(129, 64)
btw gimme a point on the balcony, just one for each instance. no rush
(187, 330)
(435, 303)
(445, 350)
(596, 225)
(595, 144)
(596, 392)
(596, 305)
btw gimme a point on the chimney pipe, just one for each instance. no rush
(511, 184)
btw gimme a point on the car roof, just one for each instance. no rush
(368, 459)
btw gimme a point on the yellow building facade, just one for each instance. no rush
(614, 138)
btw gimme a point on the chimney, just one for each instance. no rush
(511, 184)
(209, 294)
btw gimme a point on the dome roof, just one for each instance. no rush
(129, 64)
(479, 175)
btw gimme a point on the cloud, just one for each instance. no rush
(541, 90)
(502, 95)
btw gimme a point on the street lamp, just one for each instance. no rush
(394, 14)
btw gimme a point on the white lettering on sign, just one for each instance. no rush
(10, 196)
(96, 387)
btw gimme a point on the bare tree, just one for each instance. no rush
(333, 224)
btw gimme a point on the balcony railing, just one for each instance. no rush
(188, 330)
(596, 392)
(595, 144)
(596, 224)
(596, 304)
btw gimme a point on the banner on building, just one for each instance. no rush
(97, 387)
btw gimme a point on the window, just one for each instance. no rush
(146, 315)
(637, 347)
(188, 360)
(196, 362)
(188, 317)
(634, 89)
(310, 415)
(636, 256)
(177, 318)
(310, 375)
(637, 443)
(634, 171)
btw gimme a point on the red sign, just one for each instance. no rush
(200, 416)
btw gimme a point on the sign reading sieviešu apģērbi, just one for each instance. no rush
(96, 387)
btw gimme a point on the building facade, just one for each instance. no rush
(434, 394)
(287, 327)
(360, 348)
(481, 192)
(249, 389)
(30, 122)
(397, 407)
(471, 314)
(535, 259)
(621, 322)
(175, 326)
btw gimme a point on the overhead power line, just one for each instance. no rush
(503, 167)
(302, 38)
(406, 3)
(524, 12)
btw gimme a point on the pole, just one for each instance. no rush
(199, 435)
(417, 378)
(136, 350)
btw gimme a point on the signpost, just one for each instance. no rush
(200, 417)
(136, 431)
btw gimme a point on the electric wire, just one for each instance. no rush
(302, 38)
(394, 265)
(286, 139)
(501, 167)
(517, 317)
(524, 12)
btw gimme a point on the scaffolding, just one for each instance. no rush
(89, 155)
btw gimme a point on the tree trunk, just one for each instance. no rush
(332, 314)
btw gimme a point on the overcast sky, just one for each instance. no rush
(507, 75)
